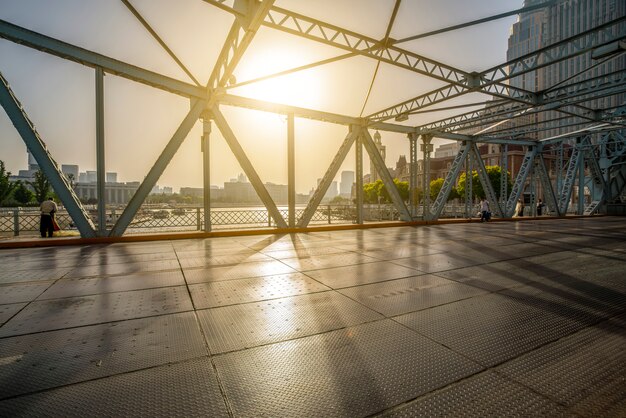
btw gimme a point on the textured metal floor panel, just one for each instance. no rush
(401, 296)
(121, 257)
(492, 328)
(22, 292)
(124, 268)
(7, 311)
(304, 252)
(433, 263)
(213, 252)
(238, 271)
(250, 325)
(187, 389)
(338, 277)
(346, 373)
(232, 292)
(327, 261)
(484, 395)
(57, 358)
(81, 287)
(53, 314)
(223, 260)
(32, 275)
(391, 253)
(585, 371)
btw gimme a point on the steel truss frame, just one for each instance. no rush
(570, 99)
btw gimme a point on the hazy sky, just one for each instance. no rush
(59, 95)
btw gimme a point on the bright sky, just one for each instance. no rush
(59, 95)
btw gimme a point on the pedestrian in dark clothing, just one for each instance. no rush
(48, 209)
(540, 206)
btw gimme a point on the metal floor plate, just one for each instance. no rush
(87, 310)
(225, 260)
(326, 261)
(124, 268)
(401, 296)
(253, 324)
(584, 371)
(338, 277)
(433, 263)
(81, 287)
(484, 395)
(187, 389)
(482, 327)
(57, 358)
(351, 372)
(8, 310)
(238, 271)
(22, 292)
(20, 276)
(232, 292)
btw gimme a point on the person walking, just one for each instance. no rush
(48, 209)
(485, 213)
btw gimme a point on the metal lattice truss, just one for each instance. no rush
(570, 103)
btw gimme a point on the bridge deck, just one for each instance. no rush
(499, 319)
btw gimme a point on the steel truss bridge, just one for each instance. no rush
(593, 137)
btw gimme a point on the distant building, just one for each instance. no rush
(345, 186)
(382, 149)
(70, 169)
(111, 177)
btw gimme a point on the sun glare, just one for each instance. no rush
(302, 88)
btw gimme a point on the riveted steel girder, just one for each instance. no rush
(385, 176)
(548, 191)
(247, 167)
(50, 168)
(157, 169)
(490, 194)
(448, 182)
(570, 177)
(330, 174)
(520, 180)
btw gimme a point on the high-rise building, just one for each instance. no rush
(543, 27)
(111, 177)
(32, 163)
(345, 186)
(382, 150)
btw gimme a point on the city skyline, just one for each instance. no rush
(139, 119)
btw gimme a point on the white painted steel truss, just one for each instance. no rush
(597, 132)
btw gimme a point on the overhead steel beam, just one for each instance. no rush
(50, 168)
(562, 50)
(91, 59)
(385, 176)
(247, 167)
(239, 38)
(161, 42)
(157, 169)
(330, 174)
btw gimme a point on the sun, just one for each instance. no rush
(301, 89)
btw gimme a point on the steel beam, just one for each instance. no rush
(504, 173)
(490, 194)
(520, 180)
(469, 184)
(291, 169)
(100, 160)
(330, 174)
(548, 191)
(91, 59)
(427, 148)
(570, 177)
(413, 174)
(157, 169)
(358, 152)
(385, 176)
(449, 181)
(205, 142)
(247, 167)
(50, 168)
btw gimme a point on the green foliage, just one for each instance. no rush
(339, 200)
(372, 191)
(41, 186)
(436, 186)
(6, 187)
(21, 193)
(493, 172)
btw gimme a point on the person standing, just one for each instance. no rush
(48, 209)
(519, 208)
(540, 206)
(484, 210)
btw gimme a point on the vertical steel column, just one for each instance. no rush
(358, 150)
(206, 172)
(581, 181)
(469, 209)
(427, 147)
(504, 174)
(291, 170)
(559, 170)
(100, 164)
(413, 173)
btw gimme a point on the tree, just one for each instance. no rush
(6, 187)
(370, 194)
(373, 191)
(493, 172)
(41, 186)
(435, 188)
(21, 193)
